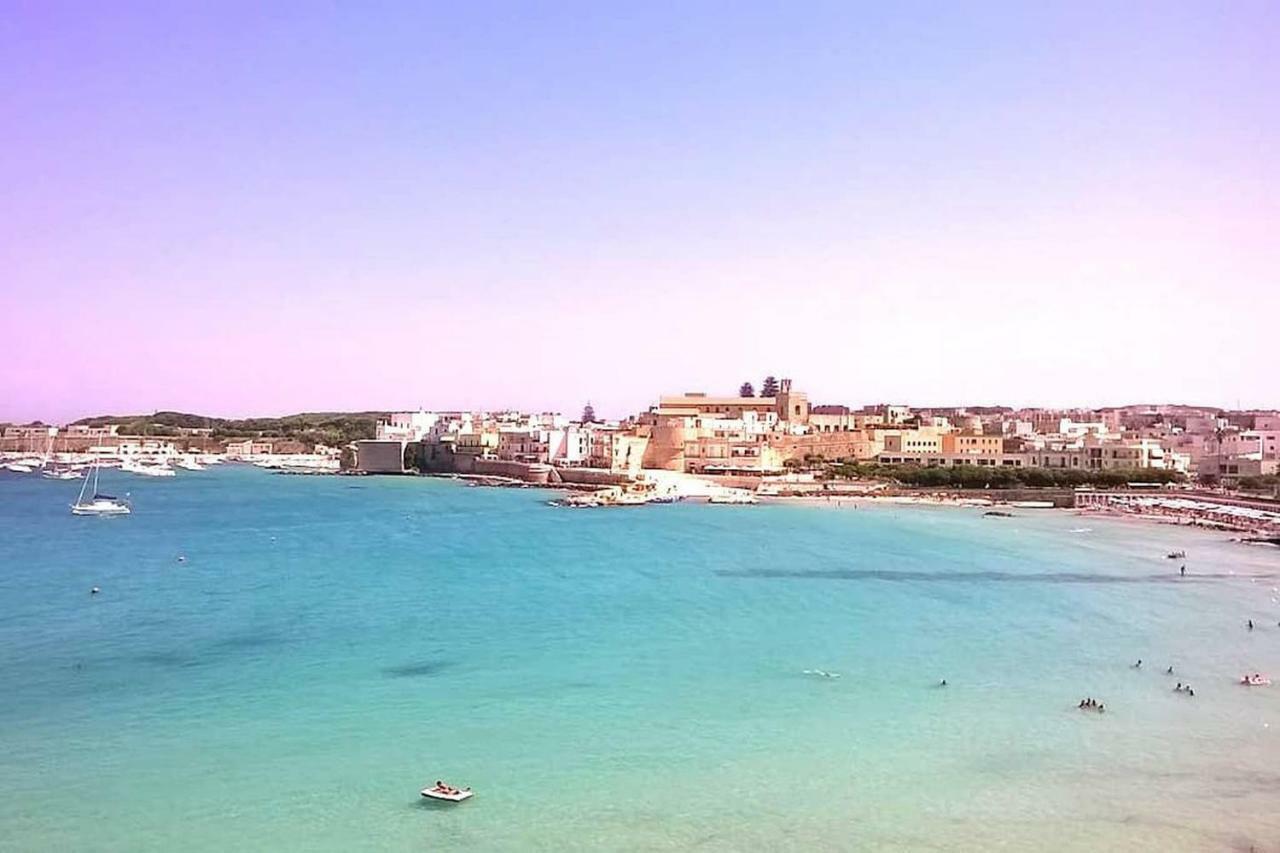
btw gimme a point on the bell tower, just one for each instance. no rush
(792, 406)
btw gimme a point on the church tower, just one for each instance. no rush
(792, 406)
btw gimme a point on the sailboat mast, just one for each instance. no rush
(83, 486)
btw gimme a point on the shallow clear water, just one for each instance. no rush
(619, 679)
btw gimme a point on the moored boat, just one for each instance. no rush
(98, 503)
(148, 469)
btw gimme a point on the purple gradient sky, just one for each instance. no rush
(265, 208)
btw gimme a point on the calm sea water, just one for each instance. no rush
(624, 679)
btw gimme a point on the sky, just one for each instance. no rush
(247, 209)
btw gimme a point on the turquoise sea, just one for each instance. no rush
(627, 679)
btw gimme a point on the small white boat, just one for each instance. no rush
(159, 469)
(189, 463)
(18, 468)
(447, 794)
(61, 474)
(98, 503)
(736, 497)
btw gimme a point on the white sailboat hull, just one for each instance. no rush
(97, 504)
(101, 507)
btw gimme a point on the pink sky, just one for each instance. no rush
(235, 212)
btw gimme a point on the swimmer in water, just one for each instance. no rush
(1184, 571)
(1138, 665)
(1250, 624)
(1178, 689)
(94, 591)
(942, 683)
(1169, 671)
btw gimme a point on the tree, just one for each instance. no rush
(588, 414)
(746, 390)
(769, 388)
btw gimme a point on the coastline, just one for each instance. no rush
(1239, 535)
(672, 486)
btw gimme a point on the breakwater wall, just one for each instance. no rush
(443, 461)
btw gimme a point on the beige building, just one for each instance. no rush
(249, 447)
(694, 432)
(1096, 455)
(30, 432)
(934, 460)
(617, 451)
(913, 441)
(1229, 469)
(712, 455)
(971, 443)
(788, 405)
(890, 415)
(827, 419)
(480, 443)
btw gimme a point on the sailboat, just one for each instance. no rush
(98, 503)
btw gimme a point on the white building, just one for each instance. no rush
(406, 426)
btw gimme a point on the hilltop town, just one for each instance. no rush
(777, 431)
(775, 442)
(780, 430)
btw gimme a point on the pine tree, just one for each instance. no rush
(746, 390)
(769, 388)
